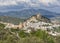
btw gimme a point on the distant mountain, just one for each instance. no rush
(26, 13)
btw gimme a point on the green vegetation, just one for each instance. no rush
(9, 19)
(39, 36)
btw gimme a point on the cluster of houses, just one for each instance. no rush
(33, 24)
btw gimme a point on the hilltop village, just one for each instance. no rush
(35, 22)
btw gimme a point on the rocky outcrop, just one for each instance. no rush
(38, 17)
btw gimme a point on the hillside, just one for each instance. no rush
(19, 36)
(39, 17)
(35, 30)
(36, 22)
(55, 20)
(12, 20)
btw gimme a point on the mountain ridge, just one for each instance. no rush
(29, 12)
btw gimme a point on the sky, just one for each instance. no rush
(52, 5)
(32, 2)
